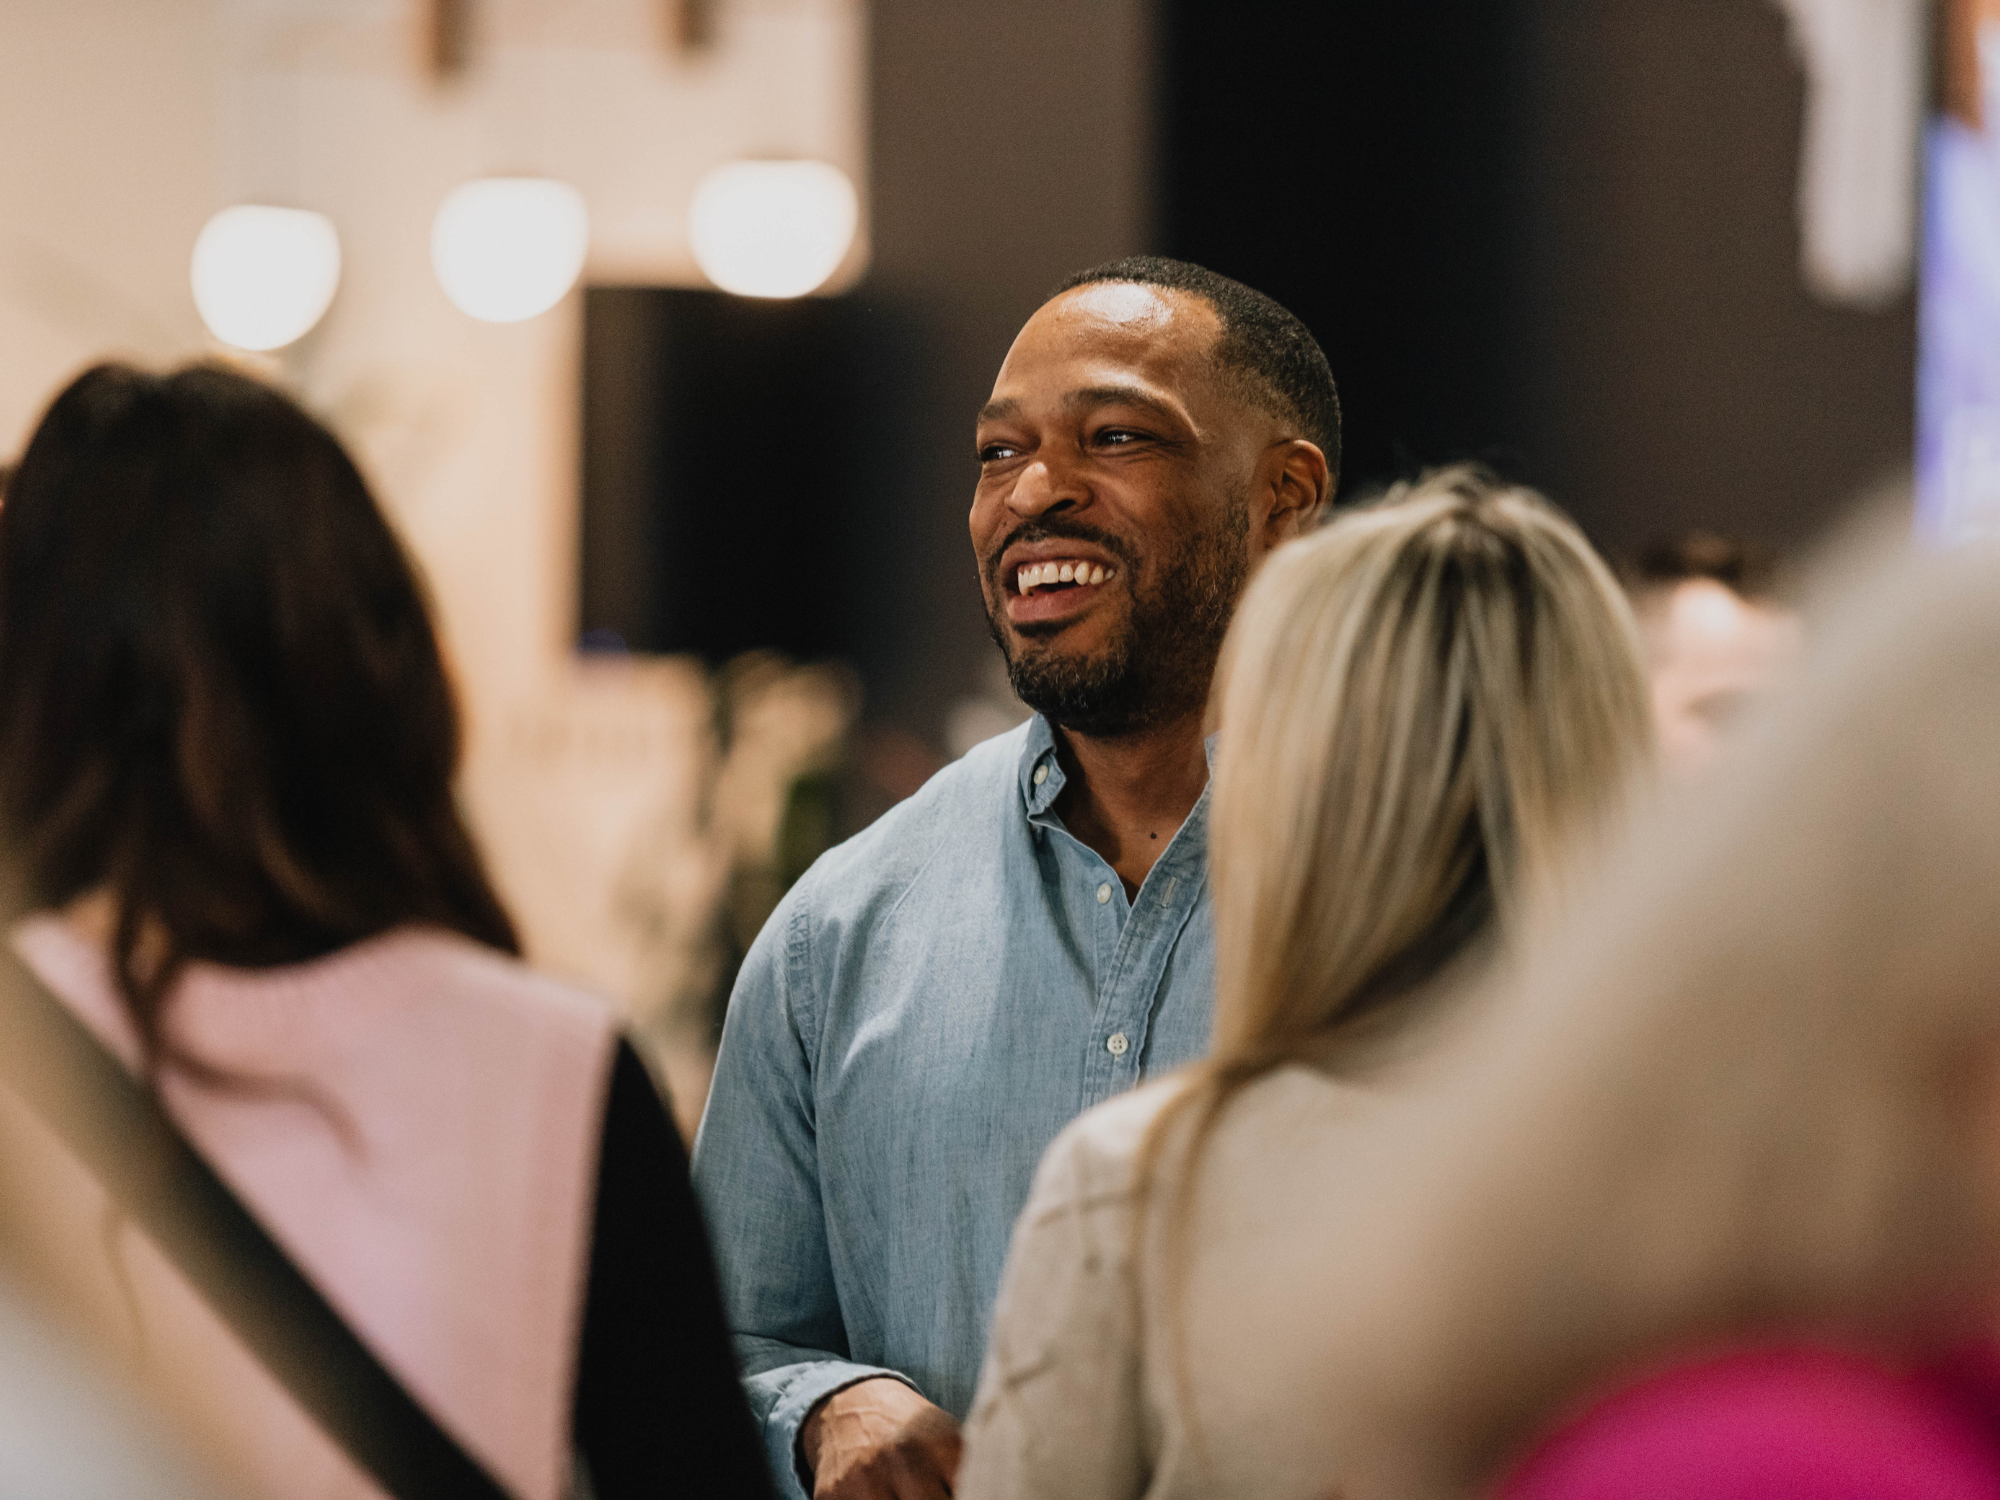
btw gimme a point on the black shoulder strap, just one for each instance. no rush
(115, 1125)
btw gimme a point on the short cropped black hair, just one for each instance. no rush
(1747, 570)
(1283, 369)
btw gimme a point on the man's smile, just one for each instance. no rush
(1053, 582)
(1079, 573)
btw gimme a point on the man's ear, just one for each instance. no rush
(1296, 486)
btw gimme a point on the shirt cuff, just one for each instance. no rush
(805, 1390)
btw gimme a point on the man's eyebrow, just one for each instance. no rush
(1119, 395)
(1084, 399)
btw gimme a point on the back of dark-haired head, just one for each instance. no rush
(1274, 357)
(1744, 568)
(221, 699)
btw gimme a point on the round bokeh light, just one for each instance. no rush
(507, 248)
(263, 276)
(772, 228)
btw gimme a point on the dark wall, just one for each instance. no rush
(1356, 161)
(1010, 144)
(1680, 373)
(1555, 235)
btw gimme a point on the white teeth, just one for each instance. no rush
(1037, 575)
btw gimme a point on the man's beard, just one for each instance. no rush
(1157, 668)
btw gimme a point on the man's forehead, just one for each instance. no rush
(1129, 307)
(1153, 331)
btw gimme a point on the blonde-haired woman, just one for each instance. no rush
(1423, 708)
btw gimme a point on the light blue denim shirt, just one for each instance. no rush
(927, 1008)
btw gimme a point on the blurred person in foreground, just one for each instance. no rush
(1731, 1131)
(67, 1429)
(1424, 708)
(1029, 934)
(227, 744)
(1715, 634)
(72, 1426)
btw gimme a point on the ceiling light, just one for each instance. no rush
(507, 248)
(772, 228)
(264, 276)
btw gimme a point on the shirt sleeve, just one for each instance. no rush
(1060, 1410)
(756, 1170)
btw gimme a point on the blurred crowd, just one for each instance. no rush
(1416, 1009)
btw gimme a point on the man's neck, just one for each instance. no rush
(1127, 797)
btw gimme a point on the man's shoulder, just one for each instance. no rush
(960, 813)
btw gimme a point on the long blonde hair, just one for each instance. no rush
(1422, 705)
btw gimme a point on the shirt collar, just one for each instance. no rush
(1041, 769)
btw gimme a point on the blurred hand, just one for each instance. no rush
(880, 1440)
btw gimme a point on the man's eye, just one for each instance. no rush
(1119, 436)
(994, 452)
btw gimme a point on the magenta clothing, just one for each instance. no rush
(1792, 1423)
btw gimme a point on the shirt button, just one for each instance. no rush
(1041, 774)
(1116, 1044)
(1104, 893)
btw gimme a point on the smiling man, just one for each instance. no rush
(1029, 934)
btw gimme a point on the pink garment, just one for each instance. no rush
(1793, 1423)
(437, 1182)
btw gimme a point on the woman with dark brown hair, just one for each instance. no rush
(227, 744)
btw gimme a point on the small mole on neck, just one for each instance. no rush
(1152, 835)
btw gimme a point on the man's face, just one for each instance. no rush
(1112, 519)
(1710, 654)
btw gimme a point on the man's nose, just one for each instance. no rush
(1045, 486)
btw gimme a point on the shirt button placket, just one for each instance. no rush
(1110, 1064)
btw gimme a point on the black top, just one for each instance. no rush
(659, 1408)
